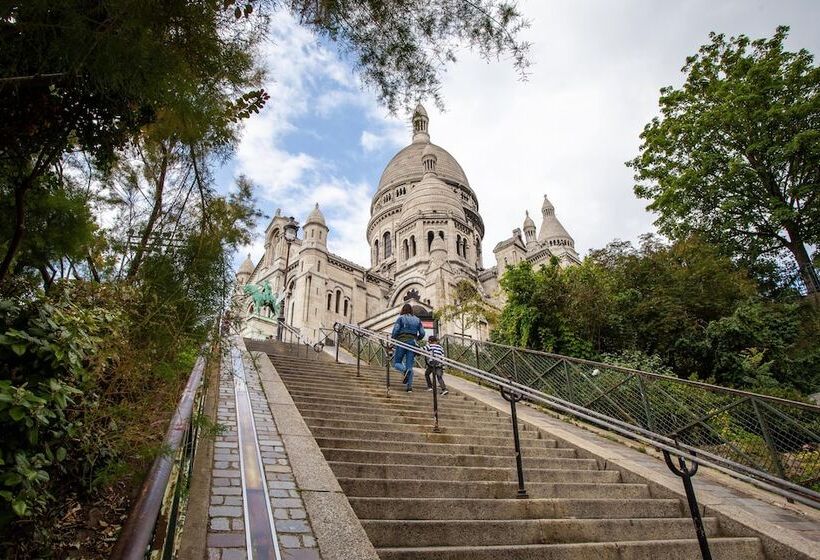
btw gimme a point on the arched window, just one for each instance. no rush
(338, 297)
(376, 251)
(458, 245)
(329, 301)
(441, 234)
(430, 236)
(413, 245)
(345, 309)
(464, 247)
(406, 249)
(388, 247)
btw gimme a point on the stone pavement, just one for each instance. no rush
(226, 538)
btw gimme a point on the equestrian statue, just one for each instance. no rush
(264, 297)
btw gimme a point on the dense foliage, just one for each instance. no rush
(735, 155)
(115, 244)
(682, 307)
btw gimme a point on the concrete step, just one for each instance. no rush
(450, 459)
(324, 380)
(453, 495)
(367, 414)
(424, 533)
(397, 488)
(547, 508)
(445, 428)
(431, 437)
(722, 549)
(433, 447)
(426, 472)
(421, 399)
(400, 400)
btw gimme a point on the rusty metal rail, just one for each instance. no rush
(151, 529)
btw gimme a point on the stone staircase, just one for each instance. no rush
(422, 495)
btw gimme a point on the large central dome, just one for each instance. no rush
(406, 166)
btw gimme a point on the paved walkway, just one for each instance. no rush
(228, 514)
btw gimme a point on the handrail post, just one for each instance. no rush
(386, 348)
(436, 428)
(337, 347)
(512, 398)
(686, 473)
(358, 354)
(475, 345)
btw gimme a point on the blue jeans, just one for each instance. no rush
(408, 357)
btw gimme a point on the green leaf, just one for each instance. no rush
(61, 453)
(19, 349)
(17, 413)
(12, 479)
(20, 507)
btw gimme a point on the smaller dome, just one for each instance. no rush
(420, 110)
(547, 206)
(528, 223)
(316, 217)
(246, 267)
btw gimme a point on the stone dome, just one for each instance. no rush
(432, 194)
(551, 228)
(406, 166)
(316, 217)
(246, 267)
(528, 223)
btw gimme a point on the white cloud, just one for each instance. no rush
(566, 132)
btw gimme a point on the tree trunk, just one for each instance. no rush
(807, 272)
(19, 225)
(152, 219)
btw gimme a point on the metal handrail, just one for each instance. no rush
(159, 499)
(623, 369)
(663, 443)
(779, 436)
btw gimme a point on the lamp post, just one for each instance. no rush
(290, 230)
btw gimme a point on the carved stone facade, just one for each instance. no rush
(425, 233)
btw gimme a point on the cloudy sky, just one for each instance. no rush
(565, 132)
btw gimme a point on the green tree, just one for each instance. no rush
(469, 309)
(735, 154)
(65, 85)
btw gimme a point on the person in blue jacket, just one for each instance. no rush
(408, 330)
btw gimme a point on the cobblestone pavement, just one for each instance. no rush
(226, 522)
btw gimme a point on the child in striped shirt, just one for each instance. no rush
(434, 365)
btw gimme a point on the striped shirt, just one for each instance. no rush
(437, 351)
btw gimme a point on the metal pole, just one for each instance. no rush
(281, 319)
(436, 428)
(512, 398)
(686, 473)
(337, 347)
(476, 355)
(358, 354)
(386, 368)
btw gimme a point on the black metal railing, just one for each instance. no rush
(352, 336)
(768, 434)
(153, 527)
(362, 343)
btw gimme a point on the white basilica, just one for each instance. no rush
(425, 233)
